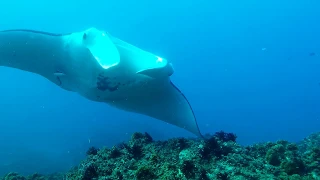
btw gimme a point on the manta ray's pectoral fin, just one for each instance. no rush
(165, 102)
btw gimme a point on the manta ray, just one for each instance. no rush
(101, 68)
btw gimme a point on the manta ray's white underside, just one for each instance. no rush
(101, 68)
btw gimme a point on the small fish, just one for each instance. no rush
(312, 54)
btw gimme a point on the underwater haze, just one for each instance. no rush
(248, 67)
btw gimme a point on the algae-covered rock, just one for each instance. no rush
(217, 157)
(14, 176)
(275, 154)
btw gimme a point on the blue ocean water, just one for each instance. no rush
(247, 67)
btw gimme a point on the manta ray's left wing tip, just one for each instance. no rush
(188, 120)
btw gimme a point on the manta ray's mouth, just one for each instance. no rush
(158, 72)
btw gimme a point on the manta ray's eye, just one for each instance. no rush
(84, 37)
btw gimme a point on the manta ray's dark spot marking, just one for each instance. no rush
(84, 37)
(35, 31)
(103, 84)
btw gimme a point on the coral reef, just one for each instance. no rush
(217, 157)
(36, 176)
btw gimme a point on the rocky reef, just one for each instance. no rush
(217, 157)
